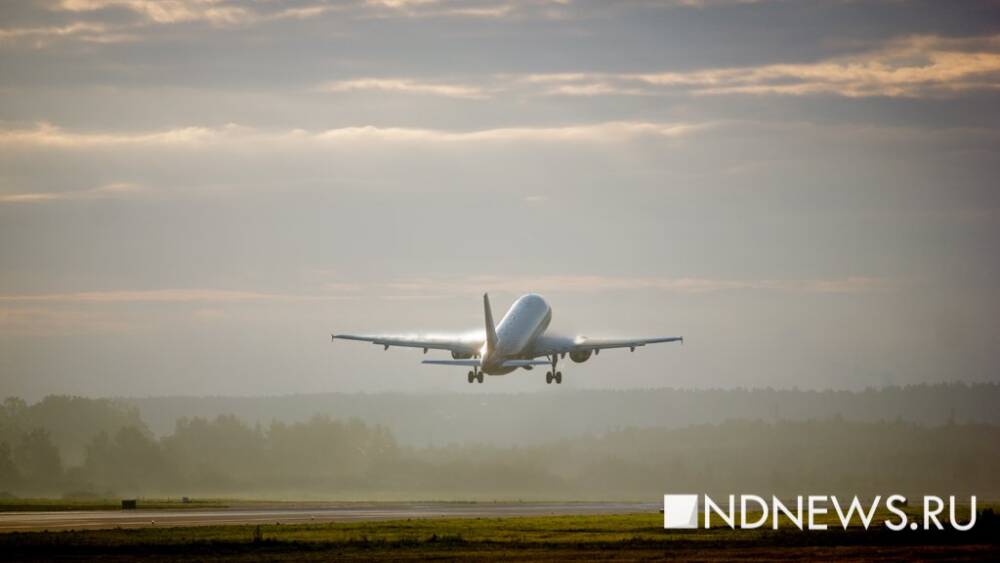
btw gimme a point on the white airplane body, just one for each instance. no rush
(516, 342)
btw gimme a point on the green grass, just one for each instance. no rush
(620, 537)
(50, 504)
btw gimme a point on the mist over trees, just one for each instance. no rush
(227, 456)
(347, 458)
(69, 421)
(535, 418)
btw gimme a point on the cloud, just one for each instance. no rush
(400, 3)
(595, 283)
(215, 12)
(48, 313)
(233, 137)
(601, 132)
(114, 190)
(102, 20)
(222, 13)
(701, 3)
(595, 88)
(916, 66)
(49, 136)
(405, 86)
(236, 12)
(479, 9)
(102, 27)
(157, 296)
(87, 312)
(339, 289)
(90, 32)
(33, 321)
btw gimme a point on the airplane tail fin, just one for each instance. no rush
(491, 329)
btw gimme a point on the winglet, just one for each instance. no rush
(491, 329)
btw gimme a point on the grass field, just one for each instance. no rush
(50, 504)
(620, 538)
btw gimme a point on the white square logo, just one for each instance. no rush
(680, 512)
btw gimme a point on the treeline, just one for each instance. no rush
(223, 455)
(70, 422)
(481, 416)
(330, 458)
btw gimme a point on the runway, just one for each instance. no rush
(295, 513)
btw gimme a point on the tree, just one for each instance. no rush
(37, 460)
(9, 477)
(14, 407)
(133, 461)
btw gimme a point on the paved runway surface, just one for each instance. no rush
(288, 513)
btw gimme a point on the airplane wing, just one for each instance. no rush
(563, 345)
(458, 344)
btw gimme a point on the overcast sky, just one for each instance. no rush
(195, 193)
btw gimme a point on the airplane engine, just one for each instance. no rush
(580, 357)
(460, 356)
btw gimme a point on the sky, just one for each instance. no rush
(195, 193)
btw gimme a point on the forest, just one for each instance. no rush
(484, 416)
(75, 447)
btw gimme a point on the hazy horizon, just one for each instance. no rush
(195, 194)
(610, 445)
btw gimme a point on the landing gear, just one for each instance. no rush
(475, 375)
(471, 376)
(553, 375)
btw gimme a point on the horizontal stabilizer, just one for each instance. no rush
(523, 363)
(474, 363)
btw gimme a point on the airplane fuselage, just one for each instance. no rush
(524, 322)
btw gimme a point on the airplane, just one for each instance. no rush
(516, 342)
